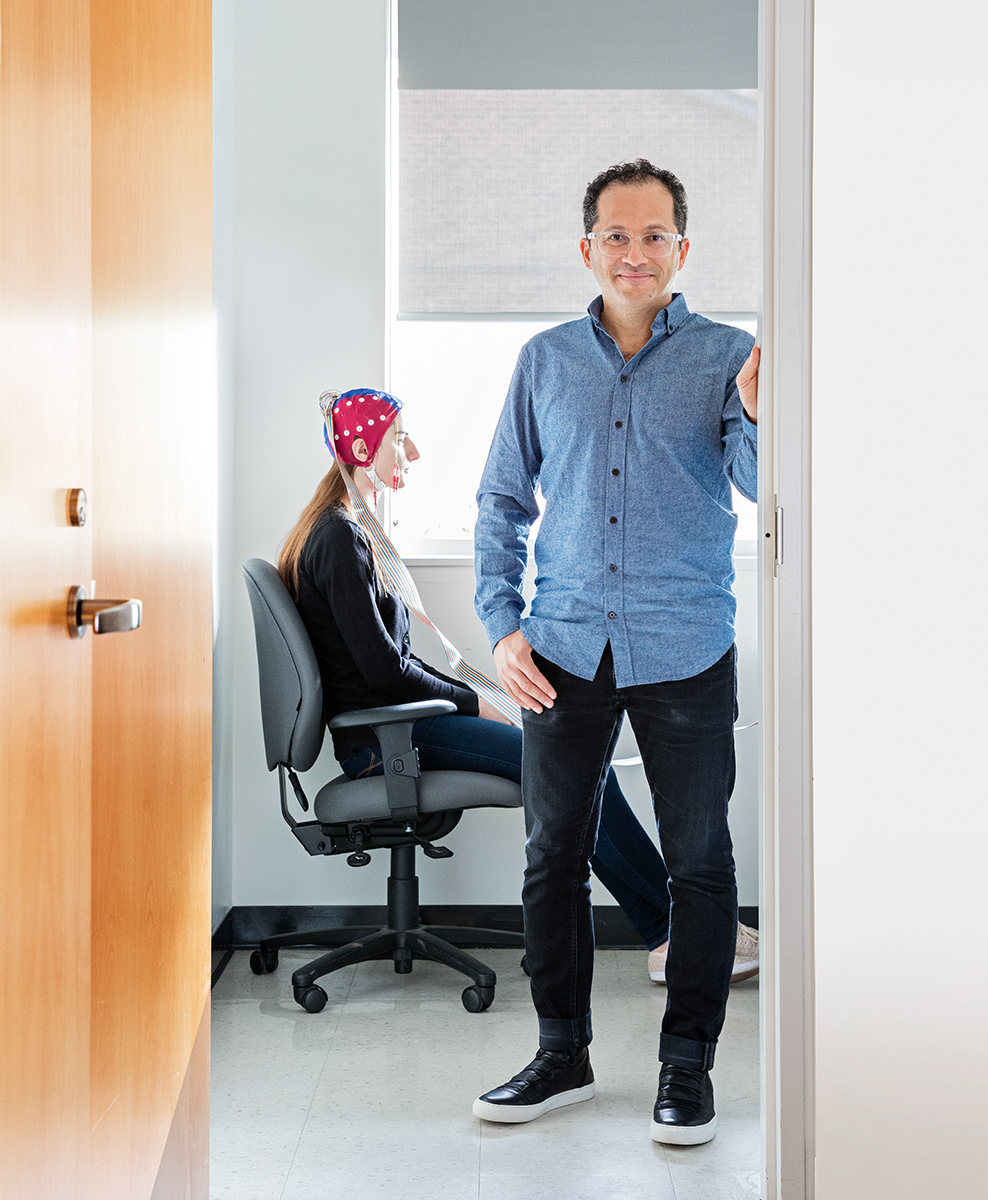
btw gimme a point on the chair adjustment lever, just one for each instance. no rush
(360, 857)
(431, 851)
(300, 796)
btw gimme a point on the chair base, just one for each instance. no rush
(403, 939)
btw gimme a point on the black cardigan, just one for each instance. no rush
(360, 634)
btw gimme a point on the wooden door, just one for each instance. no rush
(44, 674)
(154, 419)
(106, 376)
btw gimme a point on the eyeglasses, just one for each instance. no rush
(613, 244)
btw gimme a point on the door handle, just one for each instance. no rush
(105, 616)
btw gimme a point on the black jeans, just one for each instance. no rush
(685, 732)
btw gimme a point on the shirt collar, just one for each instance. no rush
(667, 319)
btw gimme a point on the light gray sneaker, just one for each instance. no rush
(745, 955)
(745, 958)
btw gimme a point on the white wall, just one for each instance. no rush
(899, 588)
(309, 162)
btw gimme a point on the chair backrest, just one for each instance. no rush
(291, 688)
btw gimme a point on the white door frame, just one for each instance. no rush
(787, 1090)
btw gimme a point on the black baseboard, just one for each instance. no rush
(222, 946)
(245, 925)
(223, 935)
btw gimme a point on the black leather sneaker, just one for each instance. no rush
(553, 1079)
(684, 1108)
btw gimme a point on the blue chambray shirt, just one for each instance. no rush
(635, 461)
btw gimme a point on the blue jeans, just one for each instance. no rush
(626, 860)
(686, 738)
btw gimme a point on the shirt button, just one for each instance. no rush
(612, 615)
(618, 424)
(615, 471)
(613, 520)
(624, 378)
(612, 567)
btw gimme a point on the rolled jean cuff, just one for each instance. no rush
(684, 1052)
(560, 1033)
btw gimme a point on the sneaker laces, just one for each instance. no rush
(747, 944)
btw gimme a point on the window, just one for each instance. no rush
(498, 124)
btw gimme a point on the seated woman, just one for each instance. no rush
(360, 634)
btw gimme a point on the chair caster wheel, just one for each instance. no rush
(264, 961)
(477, 999)
(524, 964)
(313, 999)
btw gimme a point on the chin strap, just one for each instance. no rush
(402, 584)
(376, 482)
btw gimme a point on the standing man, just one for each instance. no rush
(634, 422)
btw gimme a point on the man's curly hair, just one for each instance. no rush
(639, 171)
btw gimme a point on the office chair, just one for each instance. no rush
(400, 810)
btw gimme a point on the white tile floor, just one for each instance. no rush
(371, 1097)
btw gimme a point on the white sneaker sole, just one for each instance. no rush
(684, 1135)
(744, 971)
(738, 974)
(516, 1114)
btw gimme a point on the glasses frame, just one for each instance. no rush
(636, 237)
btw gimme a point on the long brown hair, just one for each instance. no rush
(331, 493)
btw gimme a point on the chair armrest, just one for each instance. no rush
(391, 714)
(393, 726)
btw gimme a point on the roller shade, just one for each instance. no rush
(499, 134)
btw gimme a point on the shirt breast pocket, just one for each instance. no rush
(692, 416)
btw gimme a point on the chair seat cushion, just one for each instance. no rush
(345, 799)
